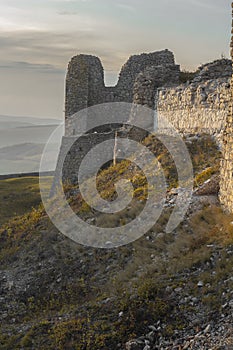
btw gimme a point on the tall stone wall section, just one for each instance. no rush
(150, 80)
(85, 81)
(137, 64)
(85, 88)
(226, 178)
(72, 154)
(197, 107)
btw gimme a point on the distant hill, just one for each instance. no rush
(4, 125)
(24, 157)
(22, 140)
(8, 122)
(27, 150)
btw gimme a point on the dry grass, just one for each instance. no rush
(18, 196)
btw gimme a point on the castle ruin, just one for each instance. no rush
(85, 82)
(203, 105)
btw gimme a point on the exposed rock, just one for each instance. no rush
(210, 187)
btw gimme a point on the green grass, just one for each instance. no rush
(18, 196)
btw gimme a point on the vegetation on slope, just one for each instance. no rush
(186, 76)
(18, 196)
(60, 295)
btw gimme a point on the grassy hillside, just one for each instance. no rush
(59, 295)
(18, 196)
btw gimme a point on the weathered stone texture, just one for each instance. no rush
(218, 69)
(226, 176)
(137, 64)
(152, 80)
(84, 86)
(85, 81)
(138, 82)
(196, 108)
(73, 151)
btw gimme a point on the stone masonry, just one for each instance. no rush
(203, 105)
(85, 88)
(226, 179)
(85, 81)
(200, 106)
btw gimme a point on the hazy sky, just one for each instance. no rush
(38, 38)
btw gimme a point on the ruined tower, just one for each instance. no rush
(192, 108)
(85, 88)
(85, 85)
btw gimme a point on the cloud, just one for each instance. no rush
(50, 50)
(38, 38)
(68, 13)
(68, 1)
(126, 7)
(22, 65)
(212, 5)
(30, 45)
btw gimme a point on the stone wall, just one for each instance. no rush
(226, 178)
(138, 63)
(200, 107)
(152, 80)
(197, 107)
(73, 151)
(84, 86)
(217, 69)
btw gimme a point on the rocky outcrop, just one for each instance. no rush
(226, 175)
